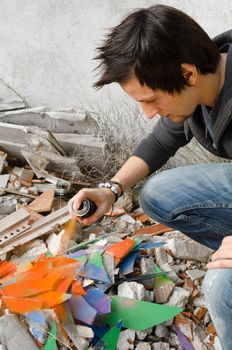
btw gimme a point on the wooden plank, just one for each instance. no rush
(13, 225)
(43, 203)
(38, 228)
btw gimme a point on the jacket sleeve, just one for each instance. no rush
(162, 143)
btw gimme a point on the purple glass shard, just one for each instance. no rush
(81, 310)
(99, 301)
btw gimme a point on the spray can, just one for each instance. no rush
(86, 209)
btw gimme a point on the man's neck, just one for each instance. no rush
(211, 84)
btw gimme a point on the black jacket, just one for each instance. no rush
(167, 137)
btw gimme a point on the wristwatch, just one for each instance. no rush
(114, 186)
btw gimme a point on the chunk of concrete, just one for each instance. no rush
(188, 249)
(161, 256)
(195, 274)
(143, 346)
(141, 335)
(13, 335)
(160, 346)
(179, 297)
(85, 332)
(131, 290)
(161, 331)
(126, 340)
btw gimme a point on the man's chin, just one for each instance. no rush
(177, 118)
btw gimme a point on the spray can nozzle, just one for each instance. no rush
(86, 209)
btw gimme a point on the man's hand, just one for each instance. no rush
(222, 258)
(102, 197)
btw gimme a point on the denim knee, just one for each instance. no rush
(154, 199)
(217, 289)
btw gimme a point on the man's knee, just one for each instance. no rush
(217, 289)
(155, 200)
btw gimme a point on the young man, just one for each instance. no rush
(164, 60)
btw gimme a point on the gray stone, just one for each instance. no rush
(149, 295)
(132, 290)
(206, 318)
(199, 301)
(13, 335)
(161, 331)
(161, 256)
(170, 272)
(126, 340)
(143, 334)
(188, 249)
(143, 346)
(147, 265)
(195, 274)
(160, 346)
(179, 297)
(199, 337)
(173, 339)
(85, 332)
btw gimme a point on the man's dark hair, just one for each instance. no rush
(152, 43)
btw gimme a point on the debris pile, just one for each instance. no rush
(129, 283)
(126, 283)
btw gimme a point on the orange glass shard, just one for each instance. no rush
(6, 268)
(121, 249)
(21, 305)
(64, 284)
(28, 287)
(51, 299)
(77, 288)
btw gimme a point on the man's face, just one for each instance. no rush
(177, 107)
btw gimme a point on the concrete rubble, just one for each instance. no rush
(168, 270)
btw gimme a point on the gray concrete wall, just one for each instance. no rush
(46, 46)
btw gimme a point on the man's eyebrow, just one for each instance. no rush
(147, 99)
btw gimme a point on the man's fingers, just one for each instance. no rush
(222, 253)
(220, 264)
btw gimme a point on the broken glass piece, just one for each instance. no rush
(110, 339)
(150, 245)
(51, 341)
(121, 249)
(81, 310)
(185, 343)
(132, 312)
(94, 272)
(127, 265)
(99, 301)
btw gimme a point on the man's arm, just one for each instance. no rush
(134, 170)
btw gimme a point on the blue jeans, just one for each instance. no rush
(197, 200)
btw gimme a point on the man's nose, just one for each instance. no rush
(149, 110)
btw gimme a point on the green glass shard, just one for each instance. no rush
(162, 279)
(82, 258)
(51, 341)
(49, 255)
(139, 315)
(110, 340)
(85, 244)
(96, 259)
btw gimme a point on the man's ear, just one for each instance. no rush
(190, 73)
